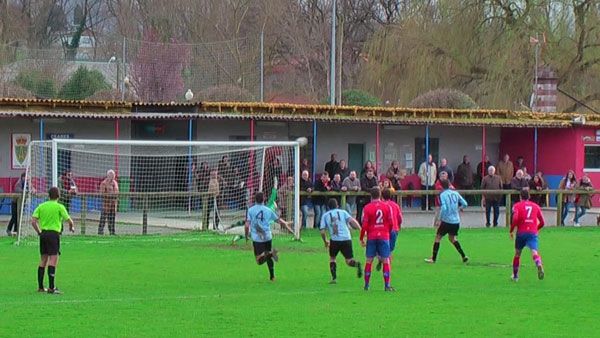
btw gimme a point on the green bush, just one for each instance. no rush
(444, 98)
(356, 97)
(83, 84)
(38, 84)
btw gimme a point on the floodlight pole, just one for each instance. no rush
(332, 61)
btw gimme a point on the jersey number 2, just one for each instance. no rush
(379, 217)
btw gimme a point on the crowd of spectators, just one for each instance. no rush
(505, 175)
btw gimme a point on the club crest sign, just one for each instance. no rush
(20, 150)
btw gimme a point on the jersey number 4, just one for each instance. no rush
(260, 216)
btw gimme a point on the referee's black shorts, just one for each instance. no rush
(344, 246)
(448, 228)
(260, 247)
(49, 243)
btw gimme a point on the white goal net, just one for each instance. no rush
(162, 187)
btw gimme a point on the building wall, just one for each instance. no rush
(588, 136)
(85, 129)
(559, 150)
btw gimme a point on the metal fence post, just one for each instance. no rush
(508, 210)
(204, 212)
(83, 213)
(145, 216)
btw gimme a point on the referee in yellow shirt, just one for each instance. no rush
(47, 220)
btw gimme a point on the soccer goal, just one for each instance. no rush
(162, 187)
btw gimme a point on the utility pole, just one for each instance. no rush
(332, 72)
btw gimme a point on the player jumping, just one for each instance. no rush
(451, 203)
(337, 221)
(258, 225)
(528, 220)
(377, 225)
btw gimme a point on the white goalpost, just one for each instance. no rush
(162, 186)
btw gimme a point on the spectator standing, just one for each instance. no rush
(284, 194)
(214, 190)
(544, 187)
(368, 166)
(68, 189)
(320, 202)
(519, 181)
(276, 170)
(482, 169)
(491, 181)
(387, 184)
(526, 174)
(366, 184)
(427, 174)
(464, 178)
(569, 182)
(536, 184)
(519, 164)
(336, 185)
(13, 225)
(304, 166)
(225, 173)
(109, 188)
(444, 167)
(394, 175)
(332, 167)
(305, 201)
(351, 184)
(584, 201)
(343, 170)
(203, 176)
(506, 171)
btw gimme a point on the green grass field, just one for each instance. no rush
(199, 285)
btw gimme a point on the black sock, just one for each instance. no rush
(41, 277)
(271, 265)
(332, 269)
(436, 248)
(459, 249)
(352, 263)
(51, 272)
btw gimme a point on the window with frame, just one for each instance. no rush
(592, 157)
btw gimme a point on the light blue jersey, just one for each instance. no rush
(336, 221)
(260, 218)
(450, 202)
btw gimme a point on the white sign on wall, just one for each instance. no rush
(20, 150)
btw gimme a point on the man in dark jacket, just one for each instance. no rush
(368, 182)
(482, 169)
(332, 166)
(305, 202)
(463, 180)
(343, 170)
(491, 181)
(320, 202)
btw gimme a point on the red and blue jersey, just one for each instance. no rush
(527, 218)
(377, 221)
(396, 215)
